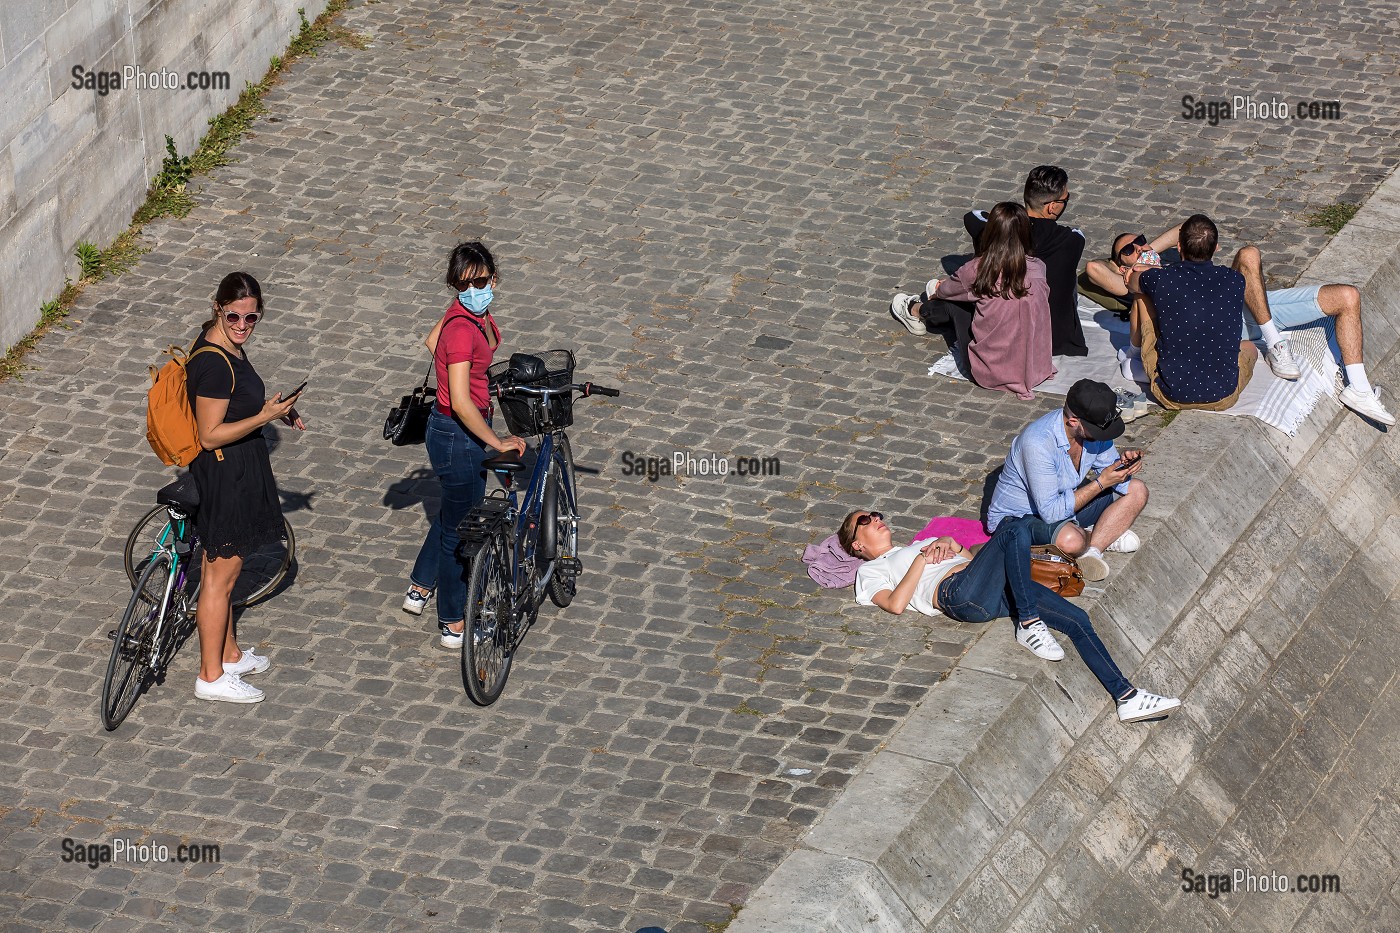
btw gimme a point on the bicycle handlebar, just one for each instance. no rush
(586, 389)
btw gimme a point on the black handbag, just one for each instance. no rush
(408, 422)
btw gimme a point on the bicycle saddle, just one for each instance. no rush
(182, 494)
(504, 463)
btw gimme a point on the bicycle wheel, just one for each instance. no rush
(128, 669)
(143, 542)
(561, 500)
(487, 647)
(264, 570)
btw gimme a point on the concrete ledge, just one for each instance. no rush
(1014, 799)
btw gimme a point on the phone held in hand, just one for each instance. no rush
(296, 391)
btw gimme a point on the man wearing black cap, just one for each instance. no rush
(1046, 476)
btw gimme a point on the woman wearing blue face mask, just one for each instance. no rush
(459, 435)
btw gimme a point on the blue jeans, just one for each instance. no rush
(456, 457)
(998, 583)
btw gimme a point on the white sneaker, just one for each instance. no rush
(1144, 705)
(1280, 357)
(229, 688)
(248, 664)
(414, 602)
(1131, 403)
(1367, 405)
(1038, 639)
(1092, 565)
(448, 638)
(1127, 543)
(899, 307)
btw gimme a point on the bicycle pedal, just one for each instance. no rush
(568, 566)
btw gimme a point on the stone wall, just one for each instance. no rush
(1267, 596)
(74, 163)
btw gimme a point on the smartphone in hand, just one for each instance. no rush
(296, 391)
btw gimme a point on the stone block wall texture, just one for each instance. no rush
(1267, 596)
(74, 163)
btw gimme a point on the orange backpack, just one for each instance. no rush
(170, 426)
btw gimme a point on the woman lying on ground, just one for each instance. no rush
(940, 576)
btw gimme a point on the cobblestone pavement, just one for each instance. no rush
(712, 203)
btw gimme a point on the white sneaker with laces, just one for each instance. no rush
(899, 307)
(1127, 543)
(1143, 705)
(1367, 405)
(250, 663)
(229, 688)
(1092, 565)
(1041, 643)
(414, 602)
(1280, 357)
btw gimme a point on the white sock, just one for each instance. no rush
(1270, 331)
(1356, 377)
(1132, 368)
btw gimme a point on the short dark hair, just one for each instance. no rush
(846, 535)
(1043, 185)
(1198, 238)
(463, 257)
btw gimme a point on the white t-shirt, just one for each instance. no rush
(885, 572)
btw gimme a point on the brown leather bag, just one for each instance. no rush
(1055, 569)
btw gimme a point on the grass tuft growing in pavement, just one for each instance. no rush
(167, 195)
(1333, 217)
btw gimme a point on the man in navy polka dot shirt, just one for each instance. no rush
(1187, 324)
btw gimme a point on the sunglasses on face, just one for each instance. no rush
(1132, 246)
(251, 318)
(481, 281)
(1064, 200)
(868, 518)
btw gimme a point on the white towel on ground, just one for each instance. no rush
(1279, 403)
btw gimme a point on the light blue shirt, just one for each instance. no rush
(1039, 478)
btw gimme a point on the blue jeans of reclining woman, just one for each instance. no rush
(456, 457)
(998, 583)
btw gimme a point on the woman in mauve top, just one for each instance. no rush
(1010, 345)
(459, 436)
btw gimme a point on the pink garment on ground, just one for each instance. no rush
(1010, 345)
(829, 565)
(966, 531)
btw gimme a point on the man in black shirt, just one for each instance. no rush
(1046, 197)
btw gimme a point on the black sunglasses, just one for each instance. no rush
(481, 281)
(1126, 248)
(866, 519)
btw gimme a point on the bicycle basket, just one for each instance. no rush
(530, 414)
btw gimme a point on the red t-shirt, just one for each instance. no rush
(459, 342)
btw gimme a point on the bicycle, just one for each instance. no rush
(263, 570)
(160, 614)
(521, 550)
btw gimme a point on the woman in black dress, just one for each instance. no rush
(239, 510)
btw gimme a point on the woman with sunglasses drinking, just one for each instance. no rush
(239, 510)
(459, 436)
(940, 576)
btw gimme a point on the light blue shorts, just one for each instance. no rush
(1289, 307)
